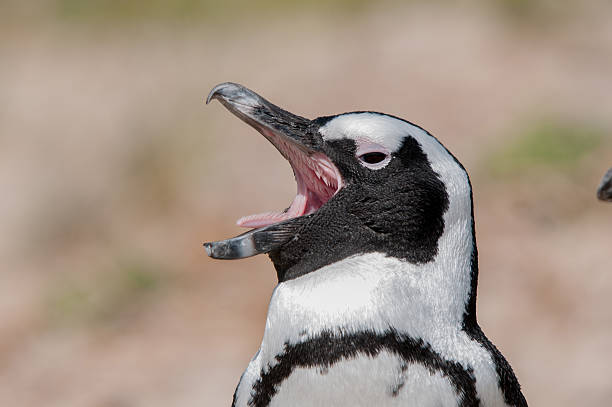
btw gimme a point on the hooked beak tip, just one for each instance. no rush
(214, 93)
(226, 90)
(211, 95)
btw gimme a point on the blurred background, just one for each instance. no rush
(114, 172)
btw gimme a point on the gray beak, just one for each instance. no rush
(256, 241)
(279, 127)
(267, 118)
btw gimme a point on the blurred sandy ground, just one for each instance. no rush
(113, 172)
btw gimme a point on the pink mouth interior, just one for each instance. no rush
(317, 179)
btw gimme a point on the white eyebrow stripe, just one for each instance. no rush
(391, 132)
(369, 127)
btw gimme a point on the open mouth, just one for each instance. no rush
(317, 181)
(317, 178)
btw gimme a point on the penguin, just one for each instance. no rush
(377, 269)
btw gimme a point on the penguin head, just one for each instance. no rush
(366, 183)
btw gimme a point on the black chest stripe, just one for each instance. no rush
(328, 348)
(507, 381)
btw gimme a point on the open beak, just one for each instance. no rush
(318, 179)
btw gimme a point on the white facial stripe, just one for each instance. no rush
(390, 132)
(367, 127)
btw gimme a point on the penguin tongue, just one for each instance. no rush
(296, 209)
(317, 181)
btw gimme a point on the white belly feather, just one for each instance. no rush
(381, 381)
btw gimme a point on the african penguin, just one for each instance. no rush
(377, 269)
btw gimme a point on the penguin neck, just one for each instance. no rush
(377, 293)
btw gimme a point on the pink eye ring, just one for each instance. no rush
(372, 155)
(373, 158)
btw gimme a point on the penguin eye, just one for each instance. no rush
(373, 158)
(372, 155)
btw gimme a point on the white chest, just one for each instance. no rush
(354, 299)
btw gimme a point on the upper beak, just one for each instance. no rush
(270, 120)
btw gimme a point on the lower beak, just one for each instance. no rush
(256, 241)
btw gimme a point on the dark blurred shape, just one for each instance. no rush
(604, 192)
